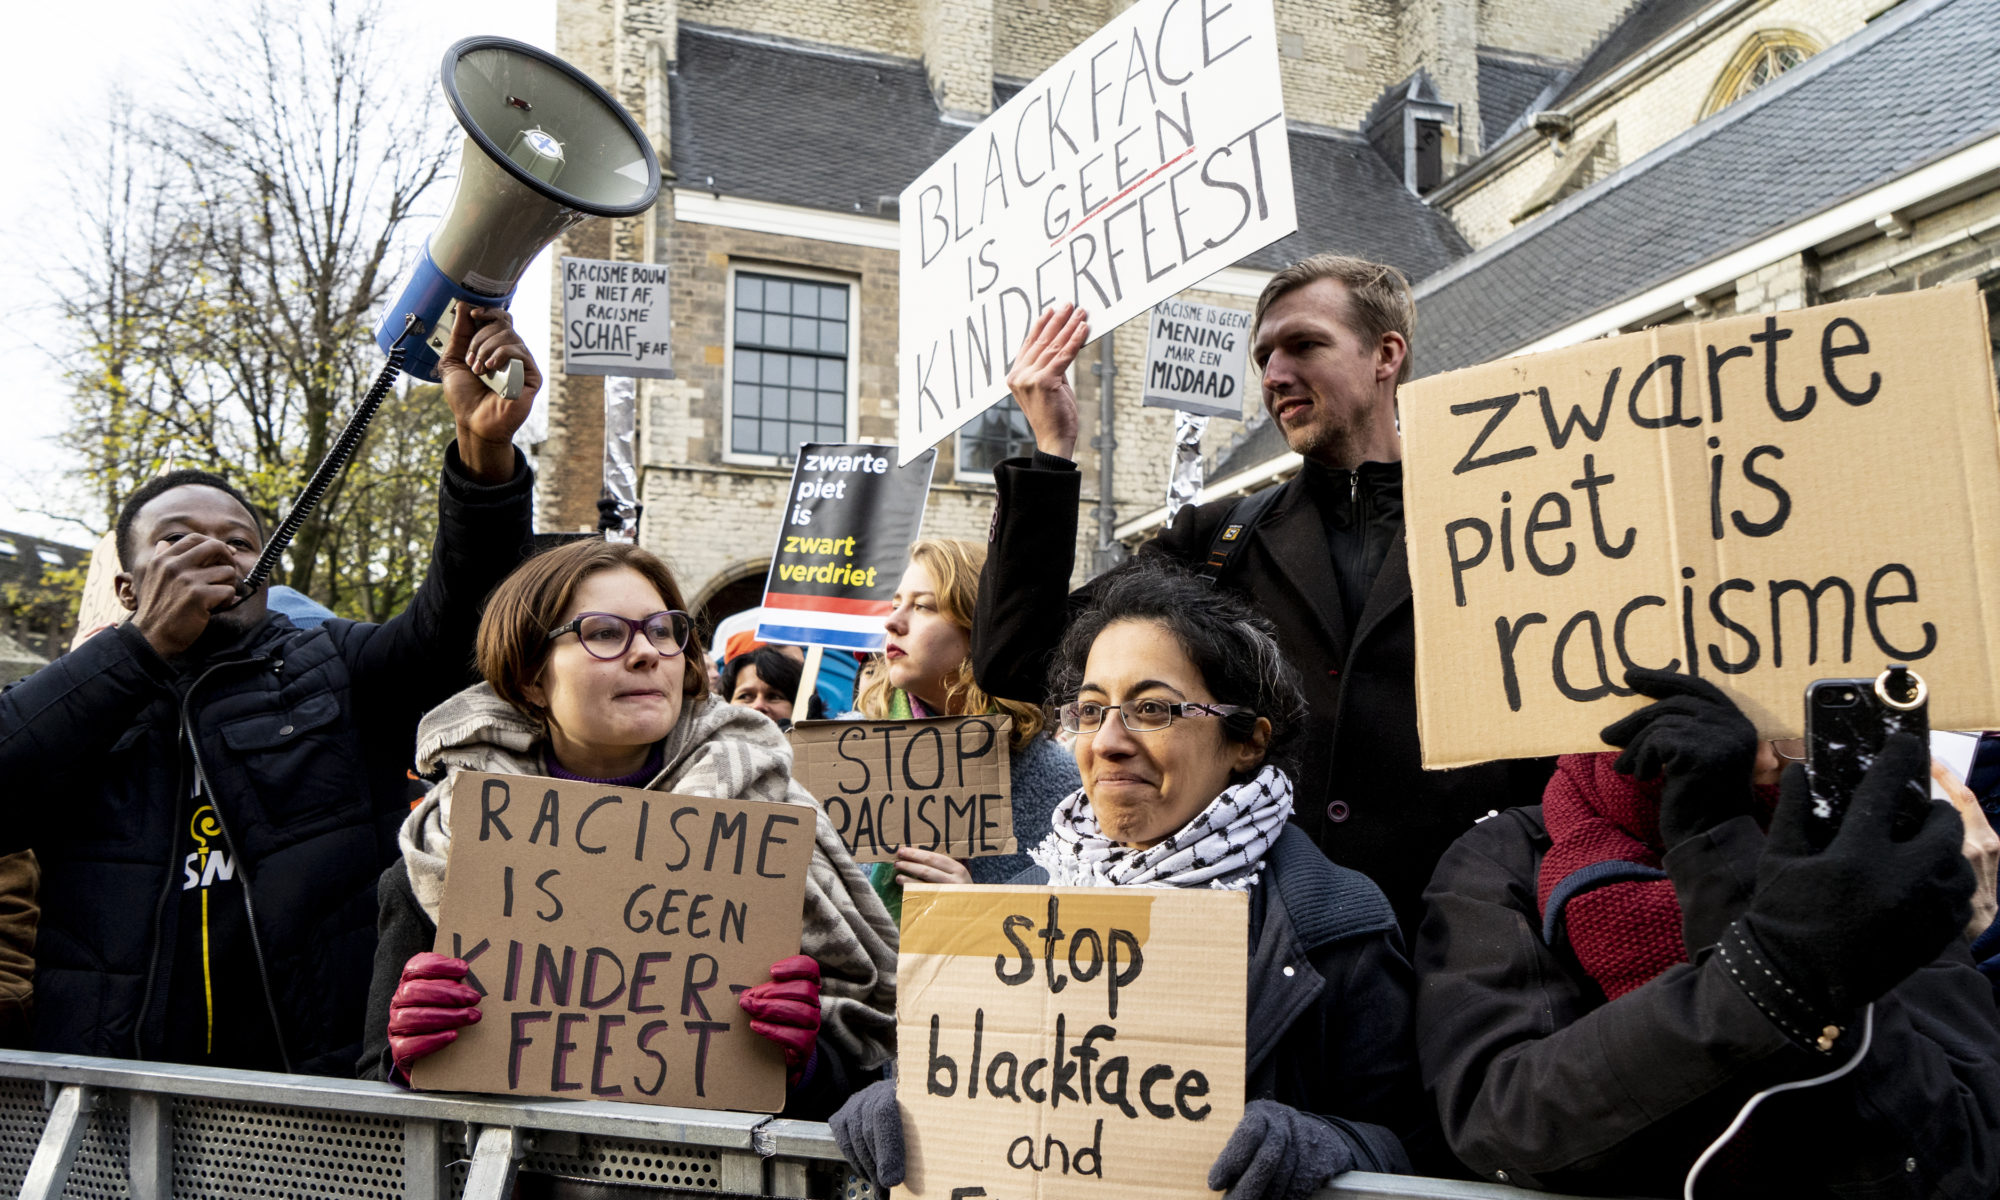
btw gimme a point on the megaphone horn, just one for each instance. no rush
(545, 148)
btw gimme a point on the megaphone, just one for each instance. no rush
(545, 148)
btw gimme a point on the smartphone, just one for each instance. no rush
(1847, 720)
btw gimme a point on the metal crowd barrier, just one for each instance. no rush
(105, 1128)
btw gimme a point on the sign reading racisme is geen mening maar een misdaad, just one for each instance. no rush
(1764, 501)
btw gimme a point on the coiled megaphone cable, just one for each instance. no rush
(330, 467)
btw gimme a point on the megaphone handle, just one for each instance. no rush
(506, 381)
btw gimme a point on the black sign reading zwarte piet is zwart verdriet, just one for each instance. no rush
(849, 519)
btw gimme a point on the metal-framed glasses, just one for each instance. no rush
(608, 635)
(1138, 716)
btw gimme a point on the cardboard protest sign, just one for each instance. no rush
(1148, 158)
(99, 604)
(609, 931)
(1194, 358)
(615, 319)
(940, 784)
(843, 543)
(1069, 1042)
(1764, 500)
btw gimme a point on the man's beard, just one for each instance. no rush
(1334, 440)
(226, 631)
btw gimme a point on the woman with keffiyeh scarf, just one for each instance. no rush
(1178, 699)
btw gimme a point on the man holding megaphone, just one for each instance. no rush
(212, 791)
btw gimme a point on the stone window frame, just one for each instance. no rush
(1734, 82)
(851, 409)
(964, 474)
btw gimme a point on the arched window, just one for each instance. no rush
(1764, 56)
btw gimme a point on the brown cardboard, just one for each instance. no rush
(99, 606)
(586, 871)
(1853, 442)
(975, 1005)
(940, 783)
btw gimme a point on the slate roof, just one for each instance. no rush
(1507, 87)
(1643, 24)
(818, 127)
(1914, 86)
(1350, 202)
(808, 126)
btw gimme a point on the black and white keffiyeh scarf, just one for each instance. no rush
(1223, 847)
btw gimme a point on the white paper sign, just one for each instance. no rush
(615, 319)
(1194, 358)
(1150, 157)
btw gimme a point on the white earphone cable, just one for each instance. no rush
(1749, 1106)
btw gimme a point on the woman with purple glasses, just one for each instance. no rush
(590, 674)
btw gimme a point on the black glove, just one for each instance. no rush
(1699, 740)
(1840, 927)
(1279, 1153)
(869, 1131)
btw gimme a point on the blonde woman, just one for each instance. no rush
(929, 674)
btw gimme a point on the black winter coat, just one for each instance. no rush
(1540, 1082)
(1363, 794)
(1329, 1023)
(305, 737)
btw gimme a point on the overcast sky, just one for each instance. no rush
(138, 45)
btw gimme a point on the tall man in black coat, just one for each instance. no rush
(1325, 563)
(212, 792)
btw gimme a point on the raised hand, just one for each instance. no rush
(1040, 378)
(1844, 925)
(486, 419)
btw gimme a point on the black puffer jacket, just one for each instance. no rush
(305, 737)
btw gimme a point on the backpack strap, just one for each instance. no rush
(1225, 551)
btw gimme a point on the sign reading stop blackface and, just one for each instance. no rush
(615, 319)
(843, 542)
(1148, 158)
(1195, 354)
(1069, 1042)
(1763, 501)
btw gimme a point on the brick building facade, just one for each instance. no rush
(788, 130)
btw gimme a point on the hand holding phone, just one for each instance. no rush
(1847, 720)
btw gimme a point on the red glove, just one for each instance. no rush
(429, 1008)
(786, 1010)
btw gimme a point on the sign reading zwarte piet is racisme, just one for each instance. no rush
(1069, 1042)
(1762, 501)
(608, 931)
